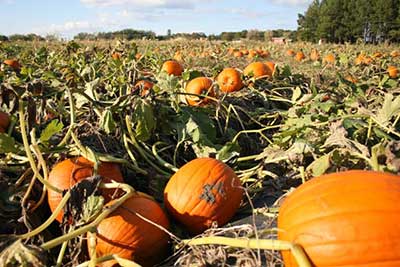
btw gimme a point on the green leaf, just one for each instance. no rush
(390, 108)
(190, 75)
(107, 121)
(7, 144)
(320, 165)
(228, 150)
(144, 120)
(51, 129)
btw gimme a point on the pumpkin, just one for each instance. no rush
(13, 63)
(351, 79)
(344, 219)
(4, 121)
(271, 67)
(238, 54)
(393, 72)
(230, 80)
(126, 234)
(116, 56)
(257, 69)
(395, 53)
(68, 172)
(290, 52)
(144, 86)
(300, 56)
(329, 59)
(172, 67)
(203, 191)
(199, 86)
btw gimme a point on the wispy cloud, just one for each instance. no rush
(292, 2)
(173, 4)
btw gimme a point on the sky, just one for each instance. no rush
(67, 18)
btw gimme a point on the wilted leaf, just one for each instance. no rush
(107, 122)
(18, 254)
(390, 108)
(296, 94)
(320, 165)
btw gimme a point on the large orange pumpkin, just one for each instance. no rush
(271, 68)
(199, 86)
(344, 219)
(4, 121)
(257, 69)
(68, 172)
(172, 67)
(300, 56)
(126, 234)
(201, 192)
(329, 59)
(230, 80)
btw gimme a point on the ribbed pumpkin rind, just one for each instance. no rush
(183, 194)
(129, 236)
(344, 219)
(68, 172)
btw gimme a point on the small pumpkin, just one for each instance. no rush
(13, 63)
(126, 234)
(116, 55)
(393, 72)
(300, 56)
(203, 191)
(344, 219)
(257, 70)
(329, 59)
(290, 53)
(238, 54)
(4, 121)
(230, 80)
(199, 86)
(68, 172)
(144, 87)
(172, 67)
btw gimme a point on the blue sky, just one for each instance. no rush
(66, 18)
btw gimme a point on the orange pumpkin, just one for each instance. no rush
(230, 80)
(68, 172)
(116, 56)
(13, 63)
(300, 56)
(172, 67)
(329, 59)
(290, 52)
(199, 86)
(257, 69)
(271, 67)
(4, 121)
(344, 219)
(393, 72)
(238, 54)
(124, 233)
(203, 191)
(144, 86)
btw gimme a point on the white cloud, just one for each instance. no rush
(142, 3)
(292, 2)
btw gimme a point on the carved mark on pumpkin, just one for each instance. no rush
(208, 195)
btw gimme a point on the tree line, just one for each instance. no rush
(132, 34)
(339, 21)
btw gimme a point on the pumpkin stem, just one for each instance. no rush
(28, 149)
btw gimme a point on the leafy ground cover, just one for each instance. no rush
(316, 115)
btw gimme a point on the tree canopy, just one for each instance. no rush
(349, 20)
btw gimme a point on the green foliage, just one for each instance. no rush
(350, 20)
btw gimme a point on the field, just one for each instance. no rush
(336, 109)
